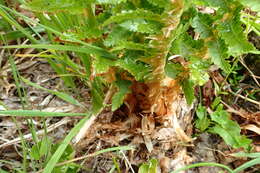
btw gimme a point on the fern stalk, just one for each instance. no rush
(162, 42)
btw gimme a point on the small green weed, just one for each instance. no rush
(219, 122)
(150, 167)
(42, 151)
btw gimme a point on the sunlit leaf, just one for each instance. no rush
(198, 71)
(253, 4)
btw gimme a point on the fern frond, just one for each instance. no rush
(231, 32)
(74, 6)
(132, 15)
(160, 3)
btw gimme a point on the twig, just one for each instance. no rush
(232, 110)
(216, 150)
(3, 139)
(251, 73)
(248, 99)
(76, 159)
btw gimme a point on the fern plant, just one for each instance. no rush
(147, 53)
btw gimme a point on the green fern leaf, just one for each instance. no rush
(198, 71)
(218, 53)
(160, 3)
(231, 32)
(131, 15)
(100, 65)
(74, 6)
(186, 46)
(223, 5)
(138, 69)
(117, 35)
(173, 70)
(130, 46)
(202, 24)
(203, 122)
(118, 98)
(141, 25)
(110, 1)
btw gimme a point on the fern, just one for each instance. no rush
(102, 65)
(223, 5)
(198, 71)
(117, 35)
(123, 89)
(131, 46)
(186, 46)
(136, 40)
(142, 26)
(202, 24)
(131, 15)
(139, 70)
(110, 1)
(75, 6)
(160, 3)
(218, 53)
(231, 32)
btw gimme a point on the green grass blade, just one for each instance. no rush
(9, 19)
(61, 95)
(13, 35)
(247, 165)
(86, 49)
(58, 153)
(17, 79)
(36, 113)
(242, 154)
(203, 164)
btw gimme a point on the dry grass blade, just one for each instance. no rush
(38, 133)
(252, 128)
